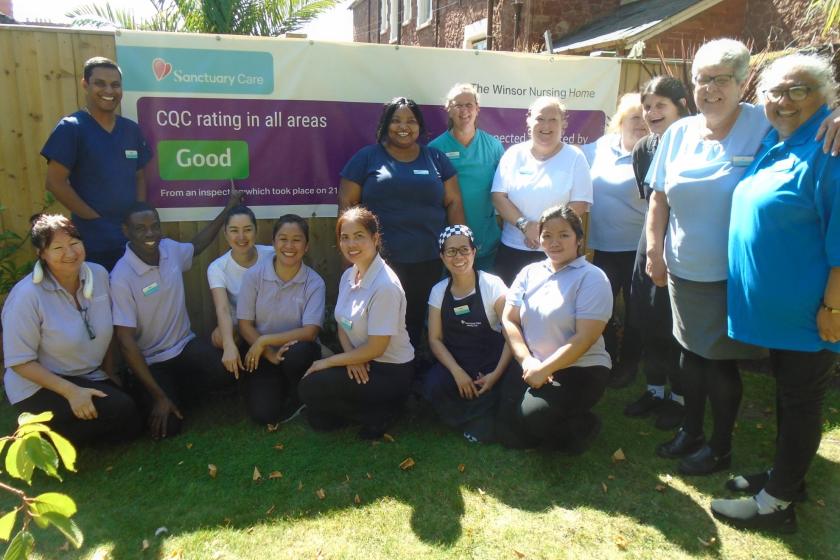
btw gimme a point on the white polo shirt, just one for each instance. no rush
(41, 323)
(226, 273)
(375, 306)
(151, 299)
(550, 302)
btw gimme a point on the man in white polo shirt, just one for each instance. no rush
(151, 320)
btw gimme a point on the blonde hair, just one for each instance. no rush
(545, 101)
(454, 92)
(627, 103)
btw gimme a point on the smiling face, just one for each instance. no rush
(64, 255)
(546, 126)
(103, 90)
(659, 113)
(290, 245)
(458, 255)
(357, 244)
(463, 110)
(786, 115)
(403, 130)
(143, 232)
(717, 101)
(240, 233)
(633, 127)
(559, 242)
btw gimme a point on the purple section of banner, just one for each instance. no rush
(297, 148)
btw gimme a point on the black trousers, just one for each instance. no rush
(417, 280)
(510, 261)
(269, 386)
(802, 379)
(553, 415)
(618, 266)
(184, 378)
(333, 399)
(117, 416)
(719, 381)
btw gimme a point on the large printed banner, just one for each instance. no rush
(279, 118)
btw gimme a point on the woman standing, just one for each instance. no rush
(57, 331)
(616, 222)
(370, 380)
(475, 155)
(465, 337)
(225, 278)
(414, 191)
(664, 101)
(785, 233)
(555, 313)
(280, 311)
(535, 175)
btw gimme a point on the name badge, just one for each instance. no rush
(421, 171)
(131, 154)
(742, 161)
(525, 171)
(152, 288)
(346, 323)
(453, 155)
(462, 310)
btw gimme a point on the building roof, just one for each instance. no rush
(630, 23)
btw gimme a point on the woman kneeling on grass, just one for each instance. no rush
(554, 318)
(465, 337)
(370, 380)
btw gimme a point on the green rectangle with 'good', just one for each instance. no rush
(185, 160)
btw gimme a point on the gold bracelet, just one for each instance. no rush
(832, 310)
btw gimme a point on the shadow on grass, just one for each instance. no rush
(126, 493)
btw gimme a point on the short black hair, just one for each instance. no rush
(291, 219)
(388, 111)
(672, 88)
(136, 208)
(99, 62)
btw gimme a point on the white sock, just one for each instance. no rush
(657, 390)
(768, 504)
(742, 483)
(741, 508)
(678, 398)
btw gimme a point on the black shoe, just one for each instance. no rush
(681, 445)
(644, 405)
(670, 415)
(704, 461)
(622, 376)
(780, 521)
(291, 410)
(756, 483)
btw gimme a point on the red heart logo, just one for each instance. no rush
(161, 68)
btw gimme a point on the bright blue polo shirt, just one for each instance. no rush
(103, 166)
(476, 165)
(784, 236)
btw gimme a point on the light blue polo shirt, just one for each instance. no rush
(476, 165)
(276, 306)
(784, 238)
(551, 301)
(151, 300)
(698, 177)
(617, 215)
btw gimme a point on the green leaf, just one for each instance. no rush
(27, 418)
(67, 527)
(42, 454)
(65, 450)
(54, 501)
(18, 463)
(21, 546)
(31, 428)
(7, 523)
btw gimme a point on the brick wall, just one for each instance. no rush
(726, 19)
(563, 18)
(781, 23)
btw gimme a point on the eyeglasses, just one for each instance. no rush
(463, 251)
(459, 106)
(83, 311)
(720, 80)
(794, 93)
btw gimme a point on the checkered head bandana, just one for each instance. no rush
(449, 231)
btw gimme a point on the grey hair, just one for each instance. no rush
(729, 52)
(457, 90)
(545, 101)
(818, 68)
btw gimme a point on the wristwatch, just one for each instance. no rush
(832, 310)
(520, 223)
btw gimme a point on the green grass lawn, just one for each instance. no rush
(505, 504)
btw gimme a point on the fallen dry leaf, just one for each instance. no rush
(759, 426)
(270, 510)
(65, 547)
(357, 500)
(408, 463)
(180, 463)
(711, 542)
(388, 437)
(661, 487)
(618, 455)
(189, 446)
(369, 476)
(604, 487)
(109, 468)
(256, 476)
(621, 542)
(320, 493)
(145, 544)
(278, 446)
(518, 554)
(212, 470)
(161, 530)
(300, 485)
(821, 502)
(833, 410)
(275, 474)
(610, 477)
(462, 467)
(346, 478)
(482, 492)
(272, 427)
(174, 555)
